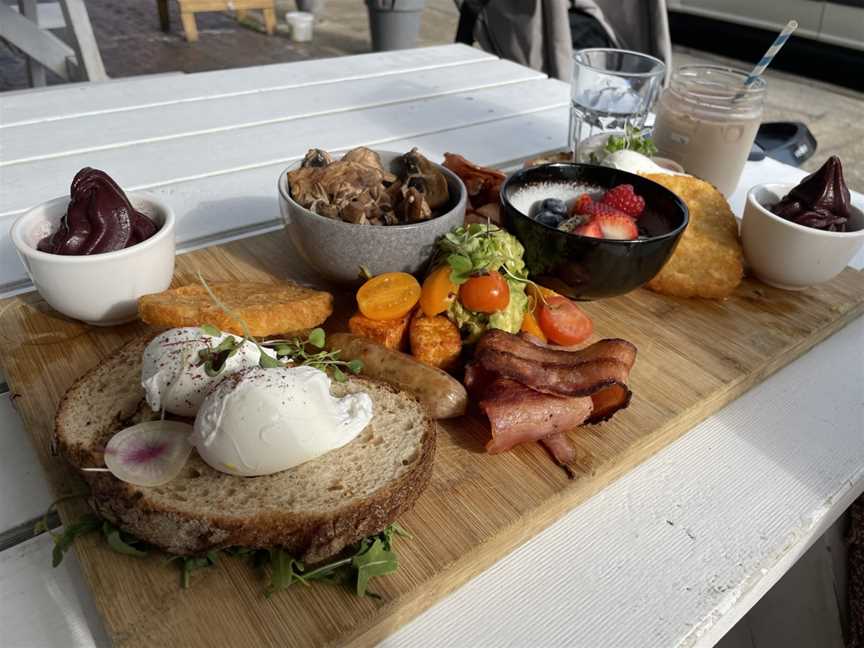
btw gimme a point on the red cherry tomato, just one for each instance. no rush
(563, 322)
(487, 293)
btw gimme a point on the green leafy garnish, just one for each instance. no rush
(209, 329)
(188, 564)
(631, 140)
(478, 249)
(117, 543)
(317, 338)
(293, 351)
(371, 557)
(376, 560)
(63, 541)
(298, 352)
(285, 570)
(214, 359)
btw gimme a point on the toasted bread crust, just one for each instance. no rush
(309, 536)
(268, 309)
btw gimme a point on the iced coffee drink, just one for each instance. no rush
(707, 121)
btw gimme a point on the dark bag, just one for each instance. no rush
(585, 30)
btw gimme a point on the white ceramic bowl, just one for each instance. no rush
(101, 289)
(791, 256)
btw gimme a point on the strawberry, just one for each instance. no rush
(582, 205)
(618, 226)
(624, 198)
(599, 208)
(589, 229)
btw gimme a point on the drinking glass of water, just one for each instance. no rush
(612, 91)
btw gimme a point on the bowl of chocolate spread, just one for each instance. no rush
(93, 253)
(795, 236)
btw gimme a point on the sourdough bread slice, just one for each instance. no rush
(313, 510)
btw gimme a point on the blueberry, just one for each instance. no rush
(546, 217)
(554, 205)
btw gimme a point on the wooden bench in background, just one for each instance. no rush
(188, 9)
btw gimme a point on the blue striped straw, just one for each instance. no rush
(779, 42)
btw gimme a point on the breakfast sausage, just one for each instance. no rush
(440, 393)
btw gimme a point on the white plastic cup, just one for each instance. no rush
(302, 25)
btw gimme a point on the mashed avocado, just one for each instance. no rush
(485, 248)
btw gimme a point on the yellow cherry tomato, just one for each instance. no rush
(531, 327)
(438, 291)
(388, 296)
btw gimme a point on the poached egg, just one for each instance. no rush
(173, 375)
(626, 160)
(260, 421)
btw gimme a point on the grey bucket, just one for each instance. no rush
(394, 23)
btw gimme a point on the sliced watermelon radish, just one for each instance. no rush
(149, 454)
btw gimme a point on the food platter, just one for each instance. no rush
(694, 356)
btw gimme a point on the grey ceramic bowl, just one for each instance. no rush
(336, 249)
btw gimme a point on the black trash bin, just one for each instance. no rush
(394, 24)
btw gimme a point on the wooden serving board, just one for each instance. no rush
(694, 357)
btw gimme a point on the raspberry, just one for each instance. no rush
(624, 198)
(582, 205)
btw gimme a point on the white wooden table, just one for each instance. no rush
(674, 553)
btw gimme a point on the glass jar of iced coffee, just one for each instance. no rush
(707, 120)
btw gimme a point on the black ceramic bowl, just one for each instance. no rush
(582, 267)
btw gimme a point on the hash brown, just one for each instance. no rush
(708, 261)
(268, 309)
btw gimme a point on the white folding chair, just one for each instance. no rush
(27, 27)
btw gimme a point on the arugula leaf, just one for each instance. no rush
(377, 560)
(63, 541)
(116, 542)
(188, 564)
(209, 329)
(285, 571)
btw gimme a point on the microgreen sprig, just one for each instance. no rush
(264, 360)
(631, 140)
(297, 351)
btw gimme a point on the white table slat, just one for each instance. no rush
(193, 173)
(68, 103)
(671, 554)
(86, 135)
(155, 163)
(25, 491)
(45, 607)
